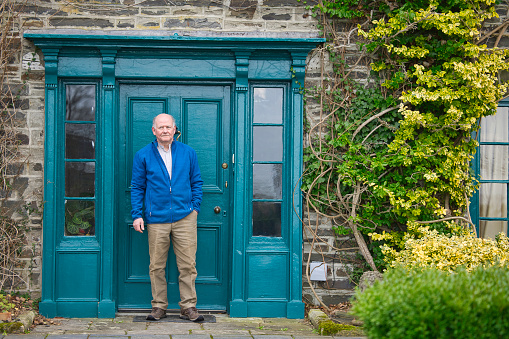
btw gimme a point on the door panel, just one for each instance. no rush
(202, 115)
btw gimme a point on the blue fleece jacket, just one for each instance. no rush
(165, 200)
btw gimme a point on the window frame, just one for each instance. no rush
(61, 197)
(286, 190)
(476, 199)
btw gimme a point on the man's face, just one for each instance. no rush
(164, 129)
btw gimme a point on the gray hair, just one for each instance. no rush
(154, 120)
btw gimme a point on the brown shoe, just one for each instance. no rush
(190, 313)
(156, 314)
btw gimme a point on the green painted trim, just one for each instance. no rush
(238, 269)
(47, 305)
(189, 43)
(48, 308)
(175, 37)
(106, 127)
(295, 310)
(111, 50)
(238, 309)
(106, 309)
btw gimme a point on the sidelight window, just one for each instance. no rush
(80, 159)
(267, 164)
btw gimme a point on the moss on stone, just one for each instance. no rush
(329, 327)
(11, 327)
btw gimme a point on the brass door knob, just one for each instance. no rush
(224, 165)
(217, 209)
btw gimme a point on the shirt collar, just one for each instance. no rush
(161, 147)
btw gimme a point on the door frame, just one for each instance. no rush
(228, 130)
(107, 57)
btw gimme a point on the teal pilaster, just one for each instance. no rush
(107, 306)
(238, 304)
(295, 307)
(48, 306)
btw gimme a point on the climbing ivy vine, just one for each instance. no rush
(392, 150)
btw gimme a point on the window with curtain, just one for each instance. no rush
(494, 173)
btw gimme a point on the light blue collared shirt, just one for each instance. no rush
(166, 155)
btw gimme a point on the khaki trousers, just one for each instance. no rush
(183, 235)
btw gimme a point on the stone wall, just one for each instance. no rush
(228, 17)
(190, 15)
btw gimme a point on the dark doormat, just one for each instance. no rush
(174, 318)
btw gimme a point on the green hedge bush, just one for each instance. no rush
(429, 303)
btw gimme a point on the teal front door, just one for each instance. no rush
(202, 114)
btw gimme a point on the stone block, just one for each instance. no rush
(322, 248)
(22, 139)
(308, 27)
(201, 3)
(334, 299)
(243, 8)
(34, 236)
(213, 11)
(17, 282)
(274, 26)
(15, 168)
(325, 232)
(125, 23)
(153, 3)
(143, 23)
(15, 88)
(316, 316)
(155, 12)
(275, 16)
(242, 25)
(314, 256)
(37, 136)
(284, 3)
(340, 284)
(35, 118)
(368, 279)
(40, 10)
(34, 23)
(124, 11)
(34, 190)
(35, 280)
(81, 22)
(192, 23)
(5, 194)
(187, 11)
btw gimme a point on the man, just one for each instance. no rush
(167, 184)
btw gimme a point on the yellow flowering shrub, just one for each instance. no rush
(448, 252)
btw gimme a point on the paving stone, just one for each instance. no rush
(23, 336)
(224, 328)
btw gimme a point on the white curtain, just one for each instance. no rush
(494, 166)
